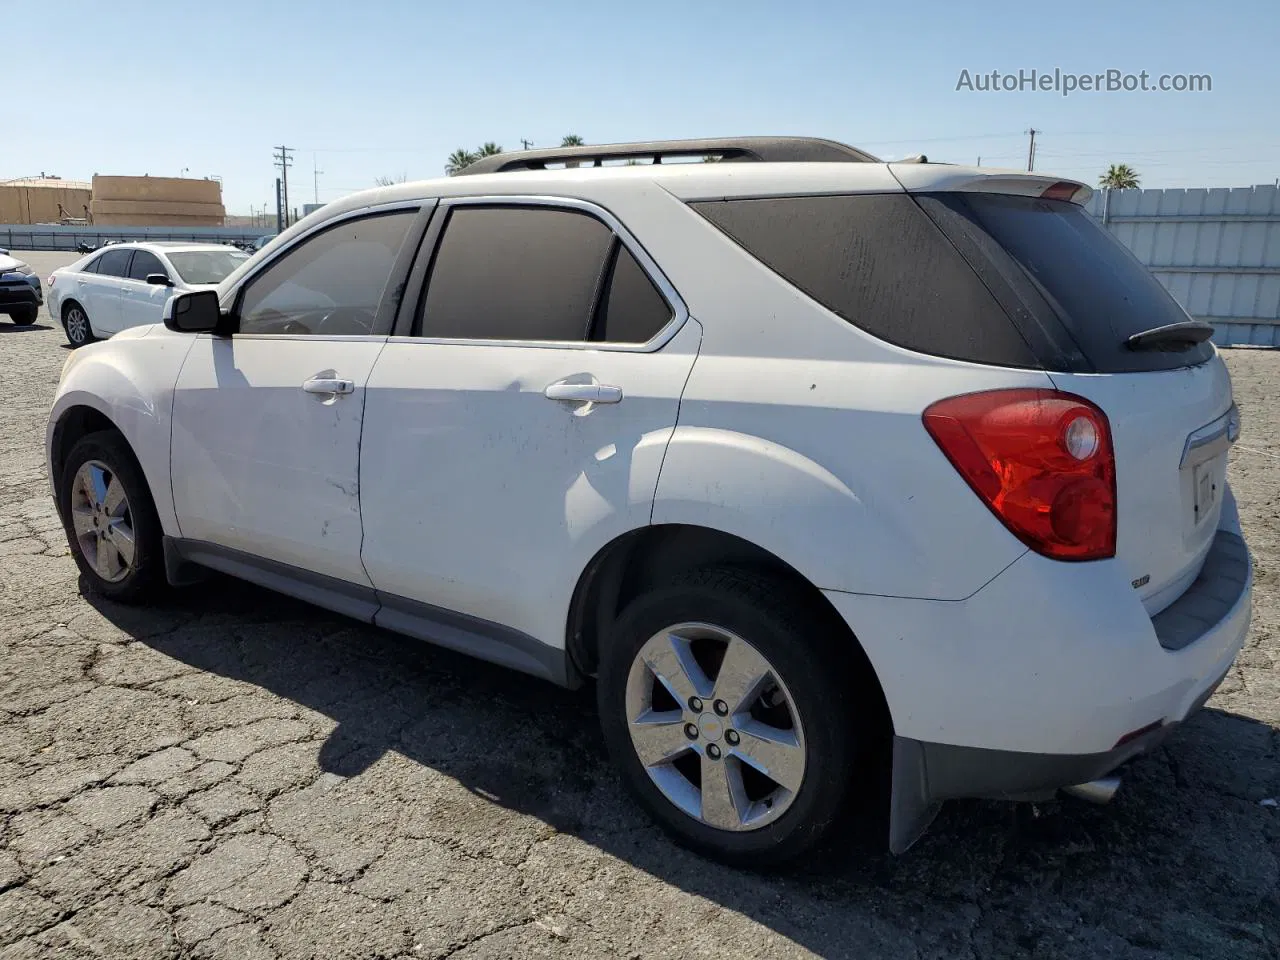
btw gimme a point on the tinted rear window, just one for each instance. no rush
(1067, 265)
(880, 263)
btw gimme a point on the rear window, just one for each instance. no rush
(1062, 266)
(880, 263)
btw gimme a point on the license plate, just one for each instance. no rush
(1206, 490)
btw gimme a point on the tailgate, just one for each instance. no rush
(1171, 438)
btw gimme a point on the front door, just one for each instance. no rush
(525, 428)
(266, 422)
(141, 302)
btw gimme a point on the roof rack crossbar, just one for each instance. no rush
(725, 149)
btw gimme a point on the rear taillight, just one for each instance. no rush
(1041, 460)
(51, 279)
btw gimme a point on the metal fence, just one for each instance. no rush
(57, 237)
(1217, 251)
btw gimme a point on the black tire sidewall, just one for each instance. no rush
(24, 316)
(799, 649)
(110, 448)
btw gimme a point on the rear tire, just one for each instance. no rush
(110, 519)
(24, 316)
(76, 323)
(808, 721)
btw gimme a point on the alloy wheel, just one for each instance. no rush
(77, 325)
(102, 521)
(715, 727)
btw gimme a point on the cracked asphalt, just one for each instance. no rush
(238, 775)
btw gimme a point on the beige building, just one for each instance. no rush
(43, 200)
(157, 202)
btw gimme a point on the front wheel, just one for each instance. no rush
(24, 316)
(76, 323)
(110, 519)
(728, 705)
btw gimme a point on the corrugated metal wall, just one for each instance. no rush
(1217, 251)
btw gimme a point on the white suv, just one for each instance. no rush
(823, 467)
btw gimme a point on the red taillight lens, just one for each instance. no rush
(1041, 460)
(1062, 190)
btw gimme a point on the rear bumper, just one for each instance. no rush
(1041, 679)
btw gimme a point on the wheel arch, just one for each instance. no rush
(646, 557)
(73, 423)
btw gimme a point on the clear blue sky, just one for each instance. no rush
(383, 88)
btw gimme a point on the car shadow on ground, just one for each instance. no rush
(26, 328)
(1182, 862)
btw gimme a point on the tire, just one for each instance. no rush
(94, 534)
(819, 683)
(24, 316)
(76, 324)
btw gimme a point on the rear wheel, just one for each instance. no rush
(110, 518)
(76, 322)
(729, 706)
(24, 316)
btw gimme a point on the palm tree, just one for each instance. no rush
(488, 149)
(458, 161)
(1119, 176)
(572, 140)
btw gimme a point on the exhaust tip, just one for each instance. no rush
(1099, 791)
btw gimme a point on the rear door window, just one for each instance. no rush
(114, 263)
(516, 273)
(880, 263)
(632, 309)
(1067, 268)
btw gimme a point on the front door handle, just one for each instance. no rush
(583, 392)
(328, 387)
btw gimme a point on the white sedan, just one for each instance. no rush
(128, 284)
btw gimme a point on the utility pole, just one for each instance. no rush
(979, 159)
(315, 173)
(284, 159)
(1031, 150)
(279, 208)
(527, 143)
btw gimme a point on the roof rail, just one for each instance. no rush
(726, 149)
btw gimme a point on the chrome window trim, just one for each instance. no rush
(679, 311)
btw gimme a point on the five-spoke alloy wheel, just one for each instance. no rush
(110, 518)
(729, 704)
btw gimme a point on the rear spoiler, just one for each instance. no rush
(934, 178)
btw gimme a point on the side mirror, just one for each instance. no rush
(159, 280)
(195, 312)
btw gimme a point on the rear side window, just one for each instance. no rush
(114, 263)
(516, 273)
(145, 263)
(632, 309)
(1066, 267)
(880, 263)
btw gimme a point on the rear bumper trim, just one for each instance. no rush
(925, 774)
(1222, 581)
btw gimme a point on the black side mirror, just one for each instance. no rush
(195, 312)
(159, 280)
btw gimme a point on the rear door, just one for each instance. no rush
(141, 302)
(522, 425)
(1078, 288)
(100, 291)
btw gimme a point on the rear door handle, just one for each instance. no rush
(583, 392)
(328, 387)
